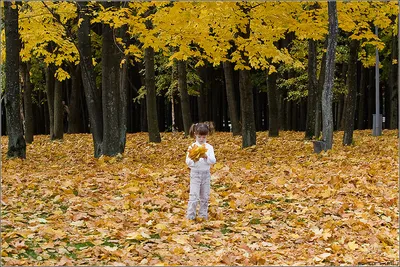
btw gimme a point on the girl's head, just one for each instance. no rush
(201, 130)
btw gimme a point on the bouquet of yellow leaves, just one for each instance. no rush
(197, 152)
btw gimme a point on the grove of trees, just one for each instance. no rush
(111, 68)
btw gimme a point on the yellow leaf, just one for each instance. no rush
(352, 245)
(197, 152)
(178, 250)
(218, 166)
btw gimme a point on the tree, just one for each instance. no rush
(327, 115)
(185, 104)
(312, 89)
(230, 94)
(113, 140)
(151, 101)
(351, 98)
(28, 111)
(93, 99)
(273, 105)
(16, 140)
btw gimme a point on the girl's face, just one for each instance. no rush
(201, 139)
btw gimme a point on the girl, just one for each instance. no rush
(200, 171)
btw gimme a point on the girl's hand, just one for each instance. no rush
(205, 156)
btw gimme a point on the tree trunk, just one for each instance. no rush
(230, 95)
(318, 109)
(15, 132)
(92, 94)
(351, 97)
(112, 143)
(75, 118)
(28, 108)
(50, 80)
(312, 90)
(202, 99)
(152, 118)
(247, 109)
(361, 99)
(58, 130)
(123, 103)
(273, 130)
(393, 97)
(185, 106)
(327, 95)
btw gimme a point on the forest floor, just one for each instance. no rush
(276, 203)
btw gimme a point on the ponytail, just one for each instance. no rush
(202, 128)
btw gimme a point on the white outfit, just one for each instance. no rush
(200, 182)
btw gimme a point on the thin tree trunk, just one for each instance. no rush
(75, 120)
(327, 95)
(246, 92)
(273, 130)
(110, 94)
(393, 97)
(247, 109)
(361, 99)
(351, 97)
(15, 132)
(123, 104)
(92, 94)
(152, 118)
(50, 80)
(185, 105)
(58, 131)
(230, 95)
(318, 109)
(312, 90)
(28, 108)
(202, 99)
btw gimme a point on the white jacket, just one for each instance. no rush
(202, 164)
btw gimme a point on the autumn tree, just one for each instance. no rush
(16, 140)
(92, 93)
(327, 116)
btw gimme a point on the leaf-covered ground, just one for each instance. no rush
(277, 203)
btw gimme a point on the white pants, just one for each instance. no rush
(199, 192)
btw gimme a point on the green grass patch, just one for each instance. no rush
(255, 221)
(83, 245)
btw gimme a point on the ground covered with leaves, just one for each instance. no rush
(276, 203)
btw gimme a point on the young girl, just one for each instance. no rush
(200, 171)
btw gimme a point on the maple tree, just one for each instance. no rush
(16, 142)
(276, 203)
(245, 35)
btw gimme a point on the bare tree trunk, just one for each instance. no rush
(50, 80)
(351, 97)
(318, 109)
(202, 99)
(230, 95)
(361, 99)
(182, 85)
(152, 118)
(16, 141)
(75, 120)
(58, 131)
(312, 89)
(393, 97)
(110, 94)
(28, 109)
(92, 94)
(247, 109)
(327, 95)
(273, 105)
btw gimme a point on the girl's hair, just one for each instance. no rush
(201, 128)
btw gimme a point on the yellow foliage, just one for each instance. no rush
(196, 152)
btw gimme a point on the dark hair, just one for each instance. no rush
(201, 128)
